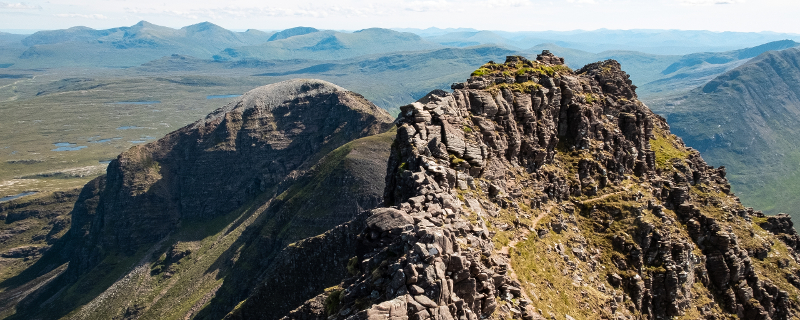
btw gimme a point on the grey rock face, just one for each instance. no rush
(484, 134)
(576, 146)
(256, 143)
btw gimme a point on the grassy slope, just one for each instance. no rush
(37, 221)
(578, 286)
(208, 266)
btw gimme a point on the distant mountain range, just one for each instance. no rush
(144, 41)
(128, 46)
(697, 69)
(393, 67)
(331, 45)
(657, 75)
(747, 119)
(669, 42)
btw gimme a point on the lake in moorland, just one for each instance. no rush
(223, 96)
(16, 196)
(137, 102)
(66, 146)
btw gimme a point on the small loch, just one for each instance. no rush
(17, 196)
(66, 146)
(137, 102)
(223, 96)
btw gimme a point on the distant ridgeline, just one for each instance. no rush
(747, 119)
(530, 191)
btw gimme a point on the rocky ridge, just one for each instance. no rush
(535, 191)
(216, 200)
(267, 137)
(531, 191)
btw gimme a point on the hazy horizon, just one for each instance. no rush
(448, 29)
(500, 15)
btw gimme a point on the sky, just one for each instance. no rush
(508, 15)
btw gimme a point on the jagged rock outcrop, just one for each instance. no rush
(534, 191)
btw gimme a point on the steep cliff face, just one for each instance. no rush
(534, 191)
(29, 228)
(213, 166)
(185, 226)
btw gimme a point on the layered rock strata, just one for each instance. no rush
(266, 137)
(534, 191)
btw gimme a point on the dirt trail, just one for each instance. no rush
(512, 244)
(603, 196)
(13, 86)
(525, 231)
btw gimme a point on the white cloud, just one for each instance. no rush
(709, 2)
(509, 3)
(19, 6)
(84, 16)
(425, 5)
(737, 15)
(250, 12)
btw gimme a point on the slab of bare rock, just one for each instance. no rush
(388, 219)
(388, 310)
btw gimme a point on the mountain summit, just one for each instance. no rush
(536, 191)
(530, 191)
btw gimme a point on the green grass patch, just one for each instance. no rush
(666, 149)
(526, 87)
(481, 72)
(333, 299)
(545, 69)
(590, 98)
(352, 266)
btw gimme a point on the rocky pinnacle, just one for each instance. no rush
(535, 191)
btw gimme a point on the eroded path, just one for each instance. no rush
(522, 235)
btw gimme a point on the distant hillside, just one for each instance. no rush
(471, 38)
(129, 46)
(10, 48)
(288, 33)
(331, 45)
(748, 119)
(10, 38)
(662, 42)
(391, 80)
(697, 69)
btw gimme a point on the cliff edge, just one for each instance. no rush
(535, 191)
